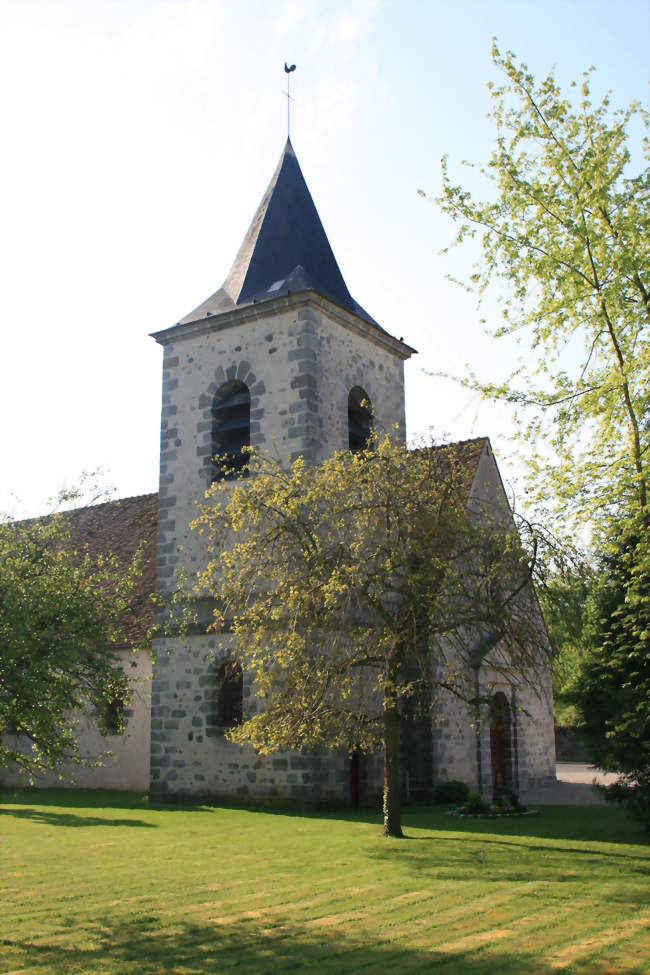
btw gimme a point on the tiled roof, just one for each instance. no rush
(118, 528)
(462, 457)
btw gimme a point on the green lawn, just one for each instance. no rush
(103, 882)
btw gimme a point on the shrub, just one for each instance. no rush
(475, 805)
(452, 791)
(633, 792)
(504, 804)
(508, 802)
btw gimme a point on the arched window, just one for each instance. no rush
(231, 430)
(359, 419)
(230, 694)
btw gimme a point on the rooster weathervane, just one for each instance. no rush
(288, 68)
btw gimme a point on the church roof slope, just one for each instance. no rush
(285, 250)
(460, 458)
(118, 528)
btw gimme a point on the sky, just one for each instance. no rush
(138, 139)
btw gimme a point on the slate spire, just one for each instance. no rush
(285, 250)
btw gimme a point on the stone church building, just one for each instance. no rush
(283, 358)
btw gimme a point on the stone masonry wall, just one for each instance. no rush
(299, 366)
(127, 765)
(461, 739)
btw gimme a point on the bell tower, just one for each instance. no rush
(283, 358)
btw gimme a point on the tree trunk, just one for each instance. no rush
(392, 813)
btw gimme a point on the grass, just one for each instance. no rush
(98, 882)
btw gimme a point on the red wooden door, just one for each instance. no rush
(498, 756)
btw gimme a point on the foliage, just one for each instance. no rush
(475, 805)
(566, 603)
(613, 693)
(62, 614)
(505, 803)
(109, 713)
(508, 802)
(566, 235)
(566, 232)
(451, 790)
(632, 790)
(349, 588)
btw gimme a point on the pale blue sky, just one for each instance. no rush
(138, 138)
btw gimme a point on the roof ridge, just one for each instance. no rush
(111, 501)
(460, 443)
(155, 494)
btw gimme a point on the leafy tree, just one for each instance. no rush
(613, 692)
(354, 587)
(566, 602)
(62, 615)
(566, 233)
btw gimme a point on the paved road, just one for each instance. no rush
(574, 787)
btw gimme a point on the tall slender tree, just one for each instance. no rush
(565, 235)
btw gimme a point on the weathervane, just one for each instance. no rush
(288, 69)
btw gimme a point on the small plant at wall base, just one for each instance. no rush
(507, 801)
(475, 805)
(348, 588)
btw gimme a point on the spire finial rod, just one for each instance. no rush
(288, 69)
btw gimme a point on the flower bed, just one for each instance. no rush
(504, 804)
(492, 815)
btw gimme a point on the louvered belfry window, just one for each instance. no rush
(230, 689)
(359, 419)
(231, 430)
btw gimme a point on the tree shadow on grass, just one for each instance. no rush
(146, 945)
(496, 860)
(95, 799)
(602, 824)
(70, 819)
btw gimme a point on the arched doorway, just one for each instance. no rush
(500, 743)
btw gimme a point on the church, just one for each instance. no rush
(284, 359)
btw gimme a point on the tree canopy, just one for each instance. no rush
(353, 586)
(63, 613)
(614, 690)
(565, 233)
